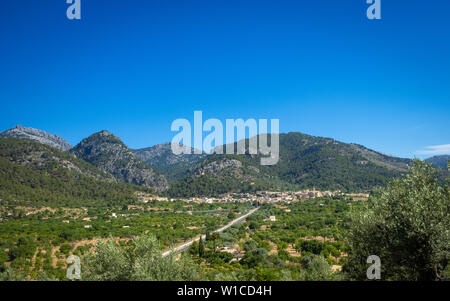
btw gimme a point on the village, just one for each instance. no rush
(261, 197)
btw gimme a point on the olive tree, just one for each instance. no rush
(142, 261)
(407, 225)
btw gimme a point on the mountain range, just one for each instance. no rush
(305, 162)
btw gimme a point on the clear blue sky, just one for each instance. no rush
(320, 66)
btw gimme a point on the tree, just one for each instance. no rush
(407, 225)
(193, 250)
(250, 245)
(214, 237)
(256, 257)
(201, 248)
(140, 262)
(310, 246)
(316, 268)
(3, 256)
(65, 248)
(8, 274)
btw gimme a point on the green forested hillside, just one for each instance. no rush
(305, 162)
(330, 164)
(38, 156)
(37, 174)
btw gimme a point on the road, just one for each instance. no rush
(186, 245)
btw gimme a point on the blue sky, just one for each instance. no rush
(321, 67)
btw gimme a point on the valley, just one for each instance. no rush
(215, 217)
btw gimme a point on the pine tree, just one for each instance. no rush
(201, 248)
(214, 236)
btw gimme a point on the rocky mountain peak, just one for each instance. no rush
(105, 133)
(40, 136)
(18, 127)
(107, 152)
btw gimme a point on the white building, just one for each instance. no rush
(272, 218)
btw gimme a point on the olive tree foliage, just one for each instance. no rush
(140, 262)
(316, 268)
(8, 274)
(406, 224)
(313, 268)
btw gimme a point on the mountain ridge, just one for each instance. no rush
(40, 136)
(305, 161)
(440, 161)
(34, 173)
(38, 156)
(107, 152)
(162, 158)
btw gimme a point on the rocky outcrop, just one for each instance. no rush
(217, 167)
(162, 154)
(38, 136)
(173, 166)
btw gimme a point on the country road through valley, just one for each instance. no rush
(219, 230)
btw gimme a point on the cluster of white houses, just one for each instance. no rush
(260, 197)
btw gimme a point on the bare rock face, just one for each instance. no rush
(110, 154)
(162, 154)
(38, 136)
(217, 167)
(174, 167)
